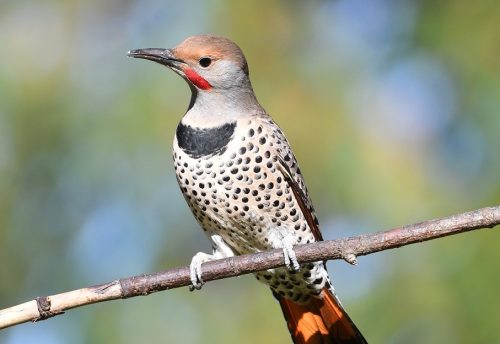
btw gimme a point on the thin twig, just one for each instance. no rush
(45, 307)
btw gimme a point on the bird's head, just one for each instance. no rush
(206, 62)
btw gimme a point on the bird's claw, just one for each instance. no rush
(195, 270)
(221, 250)
(291, 261)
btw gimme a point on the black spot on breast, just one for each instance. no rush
(318, 280)
(197, 142)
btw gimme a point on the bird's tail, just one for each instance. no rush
(322, 320)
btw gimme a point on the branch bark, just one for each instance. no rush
(45, 307)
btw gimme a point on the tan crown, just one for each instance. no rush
(218, 48)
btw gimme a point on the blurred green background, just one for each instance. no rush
(392, 108)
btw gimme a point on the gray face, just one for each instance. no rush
(224, 75)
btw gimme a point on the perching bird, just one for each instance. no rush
(242, 182)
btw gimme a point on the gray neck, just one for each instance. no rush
(217, 107)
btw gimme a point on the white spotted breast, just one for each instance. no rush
(232, 181)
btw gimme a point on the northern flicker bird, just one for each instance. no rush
(242, 182)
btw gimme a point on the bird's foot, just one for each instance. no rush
(286, 241)
(195, 269)
(291, 261)
(221, 250)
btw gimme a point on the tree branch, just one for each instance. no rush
(45, 307)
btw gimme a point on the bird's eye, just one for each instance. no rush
(205, 62)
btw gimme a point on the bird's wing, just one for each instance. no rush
(287, 166)
(301, 197)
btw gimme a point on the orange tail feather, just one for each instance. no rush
(322, 320)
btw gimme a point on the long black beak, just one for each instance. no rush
(162, 56)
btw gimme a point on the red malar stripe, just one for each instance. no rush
(197, 79)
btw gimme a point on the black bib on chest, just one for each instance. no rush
(197, 142)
